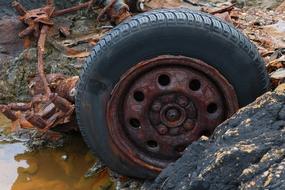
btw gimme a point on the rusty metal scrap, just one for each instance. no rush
(161, 118)
(45, 112)
(114, 10)
(53, 95)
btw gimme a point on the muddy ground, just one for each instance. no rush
(258, 19)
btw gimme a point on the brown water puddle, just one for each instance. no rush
(45, 169)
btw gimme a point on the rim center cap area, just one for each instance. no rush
(172, 115)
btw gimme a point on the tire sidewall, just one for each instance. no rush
(127, 46)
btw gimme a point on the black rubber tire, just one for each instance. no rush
(148, 35)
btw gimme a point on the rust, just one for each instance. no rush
(66, 88)
(61, 103)
(41, 50)
(33, 18)
(36, 121)
(27, 31)
(53, 94)
(25, 124)
(8, 113)
(36, 85)
(20, 106)
(166, 103)
(19, 8)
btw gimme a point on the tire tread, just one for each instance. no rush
(169, 17)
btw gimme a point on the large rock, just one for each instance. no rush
(245, 152)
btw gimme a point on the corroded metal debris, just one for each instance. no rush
(151, 117)
(45, 110)
(53, 95)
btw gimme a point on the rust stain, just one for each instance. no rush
(53, 95)
(163, 104)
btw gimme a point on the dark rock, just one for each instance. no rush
(10, 43)
(245, 152)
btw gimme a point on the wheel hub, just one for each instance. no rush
(172, 115)
(164, 104)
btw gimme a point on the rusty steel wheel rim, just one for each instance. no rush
(163, 104)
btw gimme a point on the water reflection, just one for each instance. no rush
(56, 169)
(8, 166)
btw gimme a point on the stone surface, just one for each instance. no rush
(245, 152)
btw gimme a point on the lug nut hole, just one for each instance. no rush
(212, 108)
(152, 144)
(139, 96)
(164, 80)
(135, 123)
(195, 85)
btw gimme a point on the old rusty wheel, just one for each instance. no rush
(160, 80)
(163, 104)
